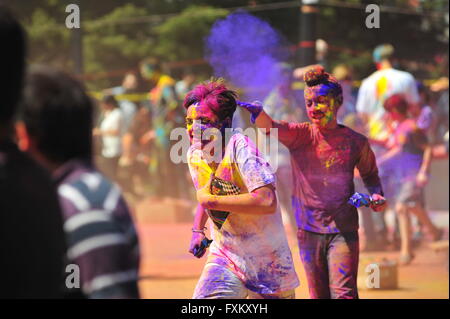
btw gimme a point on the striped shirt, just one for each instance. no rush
(101, 236)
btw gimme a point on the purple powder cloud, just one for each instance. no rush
(246, 51)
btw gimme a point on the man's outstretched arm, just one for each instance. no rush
(290, 134)
(257, 115)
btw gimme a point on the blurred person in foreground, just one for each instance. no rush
(409, 161)
(324, 156)
(55, 128)
(32, 240)
(249, 255)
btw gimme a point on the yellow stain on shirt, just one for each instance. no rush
(382, 86)
(330, 161)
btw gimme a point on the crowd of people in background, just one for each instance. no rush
(379, 108)
(405, 120)
(133, 131)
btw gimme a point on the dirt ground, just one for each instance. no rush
(168, 271)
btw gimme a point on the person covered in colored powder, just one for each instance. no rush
(409, 160)
(324, 155)
(249, 255)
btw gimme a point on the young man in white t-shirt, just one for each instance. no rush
(381, 85)
(249, 255)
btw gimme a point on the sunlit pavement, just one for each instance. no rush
(168, 271)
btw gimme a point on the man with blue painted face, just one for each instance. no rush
(249, 255)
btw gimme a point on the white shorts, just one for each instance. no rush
(219, 282)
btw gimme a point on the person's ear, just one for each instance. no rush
(339, 101)
(226, 123)
(23, 138)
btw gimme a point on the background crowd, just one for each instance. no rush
(402, 107)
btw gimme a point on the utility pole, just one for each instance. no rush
(306, 53)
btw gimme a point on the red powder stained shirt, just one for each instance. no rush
(323, 163)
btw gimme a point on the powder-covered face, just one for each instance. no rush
(321, 105)
(199, 118)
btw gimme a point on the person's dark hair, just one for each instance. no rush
(216, 95)
(316, 76)
(396, 102)
(12, 64)
(110, 100)
(58, 114)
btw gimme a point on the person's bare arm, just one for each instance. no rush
(200, 218)
(127, 145)
(288, 133)
(198, 228)
(264, 122)
(422, 176)
(378, 142)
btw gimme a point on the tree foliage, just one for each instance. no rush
(117, 34)
(182, 37)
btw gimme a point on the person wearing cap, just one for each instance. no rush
(324, 155)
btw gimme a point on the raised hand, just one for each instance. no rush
(254, 108)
